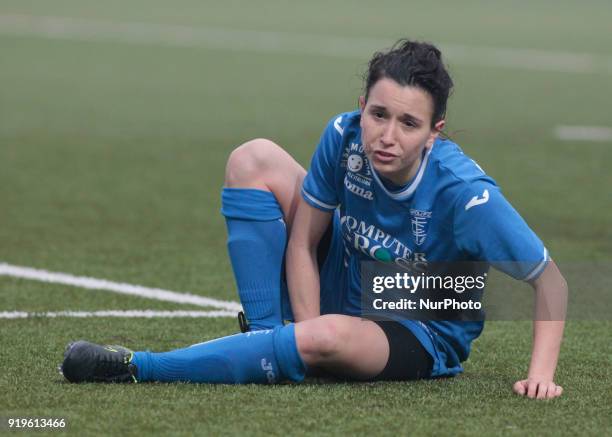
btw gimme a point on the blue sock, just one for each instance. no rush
(260, 357)
(256, 240)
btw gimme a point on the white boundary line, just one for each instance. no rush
(584, 133)
(116, 313)
(115, 287)
(81, 29)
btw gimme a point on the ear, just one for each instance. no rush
(435, 132)
(362, 103)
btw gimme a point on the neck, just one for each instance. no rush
(402, 178)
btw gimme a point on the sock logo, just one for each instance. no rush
(260, 331)
(267, 367)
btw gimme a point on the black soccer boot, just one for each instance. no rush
(89, 362)
(243, 323)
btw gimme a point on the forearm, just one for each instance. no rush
(547, 336)
(303, 282)
(549, 322)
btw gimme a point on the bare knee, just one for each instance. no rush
(320, 340)
(248, 165)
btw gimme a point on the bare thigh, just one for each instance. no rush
(264, 165)
(343, 345)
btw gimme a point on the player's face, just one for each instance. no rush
(396, 128)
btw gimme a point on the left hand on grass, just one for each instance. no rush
(536, 388)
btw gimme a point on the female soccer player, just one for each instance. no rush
(383, 185)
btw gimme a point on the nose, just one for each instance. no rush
(388, 134)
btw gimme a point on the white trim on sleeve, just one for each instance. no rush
(318, 202)
(538, 269)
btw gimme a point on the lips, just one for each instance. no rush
(381, 156)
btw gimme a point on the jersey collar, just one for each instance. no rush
(411, 187)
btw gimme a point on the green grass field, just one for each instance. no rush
(113, 141)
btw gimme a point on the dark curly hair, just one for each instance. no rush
(413, 63)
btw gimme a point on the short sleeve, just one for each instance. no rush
(319, 187)
(488, 228)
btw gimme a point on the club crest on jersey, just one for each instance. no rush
(420, 222)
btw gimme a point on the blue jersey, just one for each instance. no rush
(450, 211)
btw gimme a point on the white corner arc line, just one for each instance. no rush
(584, 133)
(115, 287)
(116, 313)
(82, 29)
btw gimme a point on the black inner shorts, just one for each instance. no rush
(408, 359)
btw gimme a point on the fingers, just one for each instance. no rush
(543, 388)
(520, 387)
(551, 390)
(548, 390)
(537, 389)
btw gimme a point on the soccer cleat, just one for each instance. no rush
(89, 362)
